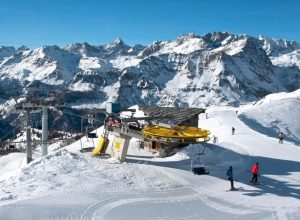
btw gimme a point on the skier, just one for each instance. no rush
(280, 136)
(233, 130)
(206, 115)
(230, 177)
(255, 173)
(215, 139)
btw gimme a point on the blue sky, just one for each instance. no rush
(47, 22)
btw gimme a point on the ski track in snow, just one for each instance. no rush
(86, 215)
(100, 213)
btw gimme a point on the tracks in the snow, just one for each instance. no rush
(101, 208)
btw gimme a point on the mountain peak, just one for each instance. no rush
(276, 47)
(6, 51)
(115, 43)
(117, 47)
(215, 38)
(118, 41)
(23, 48)
(185, 37)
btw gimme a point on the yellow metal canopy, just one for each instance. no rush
(176, 134)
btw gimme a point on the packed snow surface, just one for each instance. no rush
(67, 184)
(271, 114)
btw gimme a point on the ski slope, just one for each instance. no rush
(272, 114)
(69, 185)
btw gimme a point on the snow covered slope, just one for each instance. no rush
(11, 164)
(275, 113)
(68, 184)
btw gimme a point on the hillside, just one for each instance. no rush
(68, 184)
(269, 115)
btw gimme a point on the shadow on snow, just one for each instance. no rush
(217, 160)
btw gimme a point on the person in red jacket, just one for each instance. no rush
(254, 172)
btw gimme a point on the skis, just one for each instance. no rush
(234, 189)
(254, 183)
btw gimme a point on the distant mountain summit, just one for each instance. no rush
(217, 68)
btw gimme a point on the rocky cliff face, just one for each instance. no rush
(214, 69)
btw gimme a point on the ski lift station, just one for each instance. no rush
(158, 129)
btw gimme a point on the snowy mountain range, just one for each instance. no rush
(214, 69)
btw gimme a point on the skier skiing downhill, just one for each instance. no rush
(230, 177)
(255, 173)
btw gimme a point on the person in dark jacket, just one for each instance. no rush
(255, 172)
(233, 130)
(230, 177)
(280, 137)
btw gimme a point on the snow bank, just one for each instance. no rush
(44, 176)
(11, 164)
(65, 172)
(279, 96)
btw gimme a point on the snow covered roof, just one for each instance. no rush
(176, 115)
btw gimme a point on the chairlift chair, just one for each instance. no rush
(92, 135)
(88, 135)
(197, 164)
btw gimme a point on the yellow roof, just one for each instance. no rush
(182, 132)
